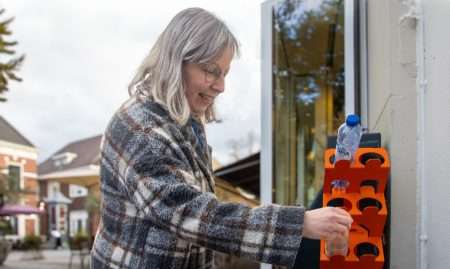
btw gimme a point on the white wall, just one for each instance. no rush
(437, 130)
(409, 103)
(392, 111)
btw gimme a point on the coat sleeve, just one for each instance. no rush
(158, 182)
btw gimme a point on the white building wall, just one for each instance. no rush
(392, 112)
(409, 103)
(436, 39)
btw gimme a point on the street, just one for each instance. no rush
(53, 259)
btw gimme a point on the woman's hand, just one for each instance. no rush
(325, 223)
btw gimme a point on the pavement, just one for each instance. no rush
(51, 259)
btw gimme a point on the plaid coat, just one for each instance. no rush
(158, 204)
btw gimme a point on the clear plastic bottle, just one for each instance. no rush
(337, 246)
(347, 142)
(348, 138)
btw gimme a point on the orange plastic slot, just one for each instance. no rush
(371, 165)
(366, 208)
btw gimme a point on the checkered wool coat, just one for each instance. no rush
(158, 204)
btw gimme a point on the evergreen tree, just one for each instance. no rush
(8, 67)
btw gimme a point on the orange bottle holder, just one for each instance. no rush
(364, 199)
(364, 252)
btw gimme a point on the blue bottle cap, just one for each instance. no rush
(352, 120)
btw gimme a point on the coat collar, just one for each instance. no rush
(201, 152)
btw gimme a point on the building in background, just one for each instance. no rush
(243, 174)
(385, 60)
(18, 161)
(68, 182)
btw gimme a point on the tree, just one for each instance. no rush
(242, 144)
(8, 68)
(235, 146)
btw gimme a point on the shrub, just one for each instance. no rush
(32, 242)
(80, 240)
(5, 227)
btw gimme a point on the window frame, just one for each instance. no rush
(355, 81)
(21, 174)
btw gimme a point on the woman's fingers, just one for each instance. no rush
(343, 217)
(340, 229)
(324, 223)
(343, 213)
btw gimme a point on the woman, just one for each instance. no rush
(158, 204)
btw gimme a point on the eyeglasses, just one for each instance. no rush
(212, 72)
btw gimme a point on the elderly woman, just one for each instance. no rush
(159, 209)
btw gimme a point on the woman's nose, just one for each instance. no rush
(219, 85)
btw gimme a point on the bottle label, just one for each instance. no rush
(342, 153)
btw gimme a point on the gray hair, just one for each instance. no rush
(194, 35)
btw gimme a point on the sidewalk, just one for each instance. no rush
(53, 259)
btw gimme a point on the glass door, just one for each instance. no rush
(307, 62)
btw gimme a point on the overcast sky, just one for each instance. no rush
(80, 56)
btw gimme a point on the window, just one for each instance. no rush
(14, 177)
(77, 191)
(63, 158)
(78, 221)
(308, 92)
(53, 216)
(53, 189)
(10, 225)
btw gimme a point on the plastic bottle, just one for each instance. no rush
(337, 246)
(348, 138)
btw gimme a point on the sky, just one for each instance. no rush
(81, 55)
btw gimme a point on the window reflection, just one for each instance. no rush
(308, 92)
